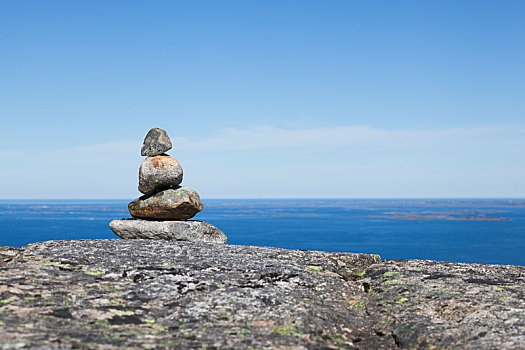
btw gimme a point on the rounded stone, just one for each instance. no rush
(170, 204)
(190, 230)
(159, 172)
(155, 143)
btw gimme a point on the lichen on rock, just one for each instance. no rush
(170, 204)
(165, 294)
(157, 173)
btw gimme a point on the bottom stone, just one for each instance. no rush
(181, 230)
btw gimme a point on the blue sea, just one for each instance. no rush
(475, 231)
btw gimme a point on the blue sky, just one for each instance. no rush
(351, 99)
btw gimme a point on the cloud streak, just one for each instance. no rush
(265, 137)
(267, 161)
(270, 137)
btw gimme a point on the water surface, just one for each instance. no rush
(482, 231)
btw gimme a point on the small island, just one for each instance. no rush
(411, 216)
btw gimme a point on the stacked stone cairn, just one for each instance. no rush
(164, 209)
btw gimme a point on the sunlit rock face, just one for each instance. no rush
(159, 172)
(155, 143)
(171, 204)
(183, 230)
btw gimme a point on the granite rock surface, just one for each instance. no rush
(155, 143)
(183, 230)
(170, 204)
(163, 294)
(159, 172)
(439, 305)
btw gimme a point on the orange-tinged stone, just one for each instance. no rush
(159, 172)
(171, 204)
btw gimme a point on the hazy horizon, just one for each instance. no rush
(286, 198)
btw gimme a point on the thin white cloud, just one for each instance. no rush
(270, 137)
(354, 161)
(11, 153)
(114, 146)
(264, 137)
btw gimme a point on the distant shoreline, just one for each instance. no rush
(440, 217)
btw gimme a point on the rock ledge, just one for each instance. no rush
(166, 294)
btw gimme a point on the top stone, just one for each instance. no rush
(155, 143)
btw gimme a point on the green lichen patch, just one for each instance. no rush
(392, 281)
(389, 274)
(289, 331)
(359, 305)
(117, 302)
(332, 336)
(121, 312)
(99, 324)
(314, 268)
(111, 287)
(359, 274)
(94, 272)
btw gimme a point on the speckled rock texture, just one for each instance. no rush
(110, 294)
(155, 143)
(183, 230)
(438, 305)
(157, 173)
(171, 204)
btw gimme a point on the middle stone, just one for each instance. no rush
(171, 204)
(159, 172)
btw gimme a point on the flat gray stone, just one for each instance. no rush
(159, 172)
(193, 231)
(172, 204)
(155, 143)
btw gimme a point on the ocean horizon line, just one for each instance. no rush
(4, 200)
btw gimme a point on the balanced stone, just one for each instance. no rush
(158, 173)
(171, 204)
(155, 143)
(194, 231)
